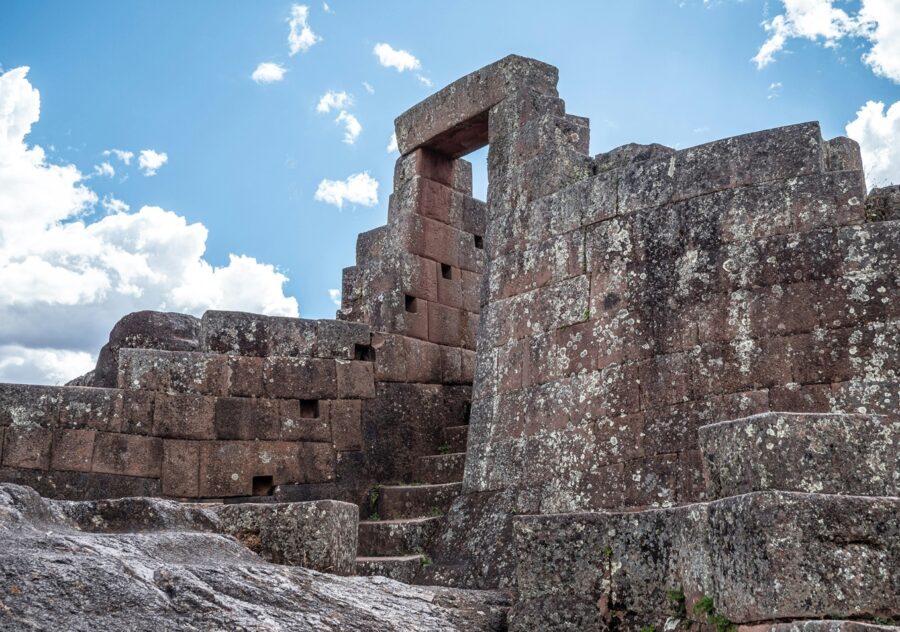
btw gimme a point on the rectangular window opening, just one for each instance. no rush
(479, 242)
(309, 408)
(446, 271)
(412, 305)
(263, 485)
(364, 353)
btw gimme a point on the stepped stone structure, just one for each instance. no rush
(646, 388)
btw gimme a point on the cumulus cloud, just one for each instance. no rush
(360, 188)
(352, 127)
(878, 133)
(878, 22)
(401, 60)
(124, 156)
(113, 205)
(104, 169)
(150, 161)
(335, 296)
(268, 72)
(300, 37)
(392, 144)
(64, 281)
(332, 100)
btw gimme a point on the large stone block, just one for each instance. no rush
(127, 455)
(300, 378)
(319, 535)
(184, 416)
(174, 371)
(450, 120)
(816, 453)
(756, 557)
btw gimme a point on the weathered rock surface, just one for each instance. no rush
(156, 565)
(319, 535)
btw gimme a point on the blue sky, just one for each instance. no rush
(245, 159)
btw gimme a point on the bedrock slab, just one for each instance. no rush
(170, 573)
(816, 453)
(759, 557)
(321, 535)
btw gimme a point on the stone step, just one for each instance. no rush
(440, 468)
(415, 501)
(454, 438)
(403, 568)
(395, 537)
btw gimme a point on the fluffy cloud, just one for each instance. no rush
(268, 72)
(360, 188)
(335, 296)
(401, 60)
(352, 127)
(65, 281)
(334, 101)
(150, 161)
(878, 133)
(104, 169)
(301, 37)
(392, 144)
(121, 154)
(882, 18)
(878, 21)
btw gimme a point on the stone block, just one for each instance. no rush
(184, 417)
(237, 333)
(137, 412)
(456, 174)
(73, 450)
(246, 376)
(390, 357)
(355, 380)
(444, 325)
(346, 430)
(342, 340)
(28, 405)
(307, 420)
(423, 361)
(91, 408)
(180, 471)
(450, 120)
(300, 378)
(128, 455)
(27, 447)
(318, 535)
(292, 337)
(174, 371)
(814, 453)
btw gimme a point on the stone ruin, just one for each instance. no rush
(639, 390)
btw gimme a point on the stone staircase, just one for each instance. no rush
(392, 543)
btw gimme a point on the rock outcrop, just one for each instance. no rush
(152, 565)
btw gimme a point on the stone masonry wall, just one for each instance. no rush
(633, 297)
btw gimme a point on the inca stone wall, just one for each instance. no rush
(632, 297)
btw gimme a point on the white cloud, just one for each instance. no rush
(352, 127)
(360, 188)
(104, 169)
(392, 58)
(878, 133)
(334, 101)
(369, 87)
(882, 18)
(878, 21)
(425, 81)
(326, 8)
(268, 72)
(774, 90)
(121, 154)
(335, 296)
(64, 282)
(392, 144)
(52, 366)
(301, 37)
(113, 205)
(150, 161)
